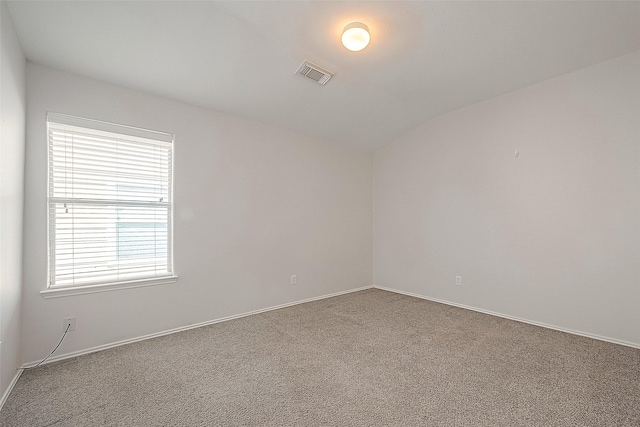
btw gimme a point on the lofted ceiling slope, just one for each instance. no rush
(425, 58)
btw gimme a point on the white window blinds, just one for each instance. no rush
(110, 202)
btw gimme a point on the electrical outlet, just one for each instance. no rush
(459, 280)
(70, 322)
(293, 280)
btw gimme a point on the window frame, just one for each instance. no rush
(52, 290)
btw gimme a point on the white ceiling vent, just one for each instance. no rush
(315, 73)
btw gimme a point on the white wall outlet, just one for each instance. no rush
(294, 280)
(458, 280)
(70, 322)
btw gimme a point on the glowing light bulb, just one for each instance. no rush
(356, 36)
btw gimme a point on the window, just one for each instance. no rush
(110, 203)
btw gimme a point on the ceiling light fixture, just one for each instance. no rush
(355, 36)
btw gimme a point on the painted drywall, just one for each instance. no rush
(12, 146)
(253, 205)
(552, 235)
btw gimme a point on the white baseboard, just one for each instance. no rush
(7, 392)
(517, 319)
(263, 310)
(185, 328)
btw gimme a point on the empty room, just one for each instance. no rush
(305, 213)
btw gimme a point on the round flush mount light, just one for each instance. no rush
(355, 36)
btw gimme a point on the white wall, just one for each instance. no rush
(12, 141)
(552, 236)
(253, 205)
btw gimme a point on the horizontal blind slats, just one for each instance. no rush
(64, 139)
(109, 204)
(63, 155)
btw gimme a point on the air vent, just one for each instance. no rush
(315, 73)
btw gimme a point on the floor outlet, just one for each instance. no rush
(70, 322)
(459, 280)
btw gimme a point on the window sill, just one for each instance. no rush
(105, 287)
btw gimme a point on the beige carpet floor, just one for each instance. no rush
(370, 358)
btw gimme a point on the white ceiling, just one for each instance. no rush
(425, 58)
